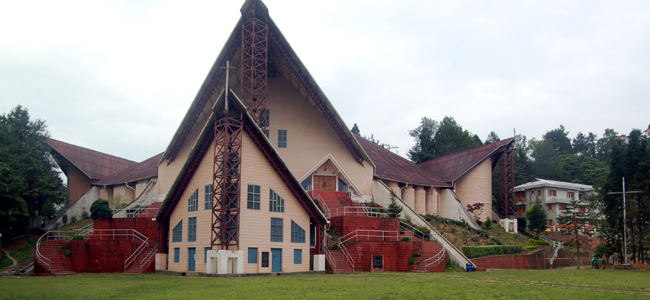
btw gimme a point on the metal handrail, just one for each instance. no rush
(416, 232)
(355, 211)
(145, 204)
(123, 233)
(40, 257)
(347, 256)
(326, 208)
(437, 257)
(330, 258)
(385, 235)
(147, 258)
(50, 235)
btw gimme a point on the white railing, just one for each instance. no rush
(435, 260)
(144, 205)
(414, 231)
(559, 246)
(329, 257)
(384, 235)
(357, 211)
(147, 258)
(133, 235)
(50, 235)
(324, 206)
(347, 256)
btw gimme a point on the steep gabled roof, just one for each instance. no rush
(396, 168)
(146, 169)
(94, 164)
(451, 167)
(204, 143)
(300, 76)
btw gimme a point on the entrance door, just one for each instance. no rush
(191, 264)
(276, 260)
(324, 183)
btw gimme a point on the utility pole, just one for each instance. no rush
(624, 217)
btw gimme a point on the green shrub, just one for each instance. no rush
(417, 255)
(100, 210)
(531, 247)
(64, 219)
(73, 219)
(488, 224)
(78, 237)
(64, 247)
(67, 253)
(412, 260)
(423, 229)
(482, 251)
(84, 215)
(534, 242)
(406, 239)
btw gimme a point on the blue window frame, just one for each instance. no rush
(193, 202)
(253, 197)
(276, 203)
(343, 187)
(205, 254)
(297, 256)
(312, 235)
(282, 138)
(177, 255)
(191, 229)
(306, 184)
(177, 233)
(208, 197)
(276, 229)
(297, 233)
(252, 255)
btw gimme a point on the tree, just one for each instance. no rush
(29, 181)
(581, 169)
(544, 161)
(559, 141)
(573, 216)
(492, 138)
(433, 139)
(100, 209)
(585, 144)
(476, 209)
(537, 217)
(355, 129)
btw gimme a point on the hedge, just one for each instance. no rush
(538, 243)
(482, 251)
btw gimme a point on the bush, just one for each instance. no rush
(100, 210)
(423, 229)
(530, 247)
(78, 237)
(412, 260)
(64, 219)
(67, 253)
(73, 219)
(84, 215)
(534, 242)
(488, 224)
(406, 239)
(482, 251)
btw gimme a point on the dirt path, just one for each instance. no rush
(12, 259)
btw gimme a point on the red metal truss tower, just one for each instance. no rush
(226, 179)
(254, 58)
(507, 182)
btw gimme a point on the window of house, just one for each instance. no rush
(306, 184)
(252, 255)
(343, 187)
(177, 255)
(253, 201)
(177, 233)
(550, 222)
(552, 193)
(276, 203)
(276, 229)
(282, 138)
(583, 209)
(205, 254)
(191, 229)
(539, 193)
(312, 235)
(550, 206)
(562, 206)
(208, 197)
(570, 195)
(193, 202)
(265, 259)
(297, 233)
(297, 256)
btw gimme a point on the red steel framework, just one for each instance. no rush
(254, 58)
(507, 182)
(226, 180)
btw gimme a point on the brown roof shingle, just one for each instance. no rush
(94, 164)
(143, 170)
(450, 167)
(394, 167)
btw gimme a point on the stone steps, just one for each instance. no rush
(342, 266)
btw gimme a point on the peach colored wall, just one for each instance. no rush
(476, 186)
(310, 138)
(255, 225)
(126, 192)
(393, 185)
(78, 184)
(408, 195)
(420, 200)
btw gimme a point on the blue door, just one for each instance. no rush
(191, 264)
(276, 260)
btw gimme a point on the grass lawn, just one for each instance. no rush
(507, 238)
(76, 225)
(5, 261)
(507, 284)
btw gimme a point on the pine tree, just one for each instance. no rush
(575, 216)
(537, 217)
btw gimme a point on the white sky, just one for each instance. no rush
(118, 76)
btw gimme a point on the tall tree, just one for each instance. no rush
(492, 138)
(558, 140)
(355, 128)
(544, 159)
(574, 214)
(581, 169)
(585, 144)
(29, 181)
(606, 144)
(537, 217)
(433, 139)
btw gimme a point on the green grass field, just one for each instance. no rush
(507, 284)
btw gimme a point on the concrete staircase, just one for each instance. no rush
(51, 250)
(342, 266)
(142, 264)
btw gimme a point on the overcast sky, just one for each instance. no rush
(118, 76)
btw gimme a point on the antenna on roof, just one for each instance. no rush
(227, 67)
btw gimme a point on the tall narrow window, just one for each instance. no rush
(191, 229)
(312, 235)
(252, 255)
(177, 233)
(276, 229)
(297, 256)
(208, 197)
(343, 187)
(282, 138)
(193, 202)
(205, 254)
(297, 233)
(253, 197)
(177, 255)
(276, 203)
